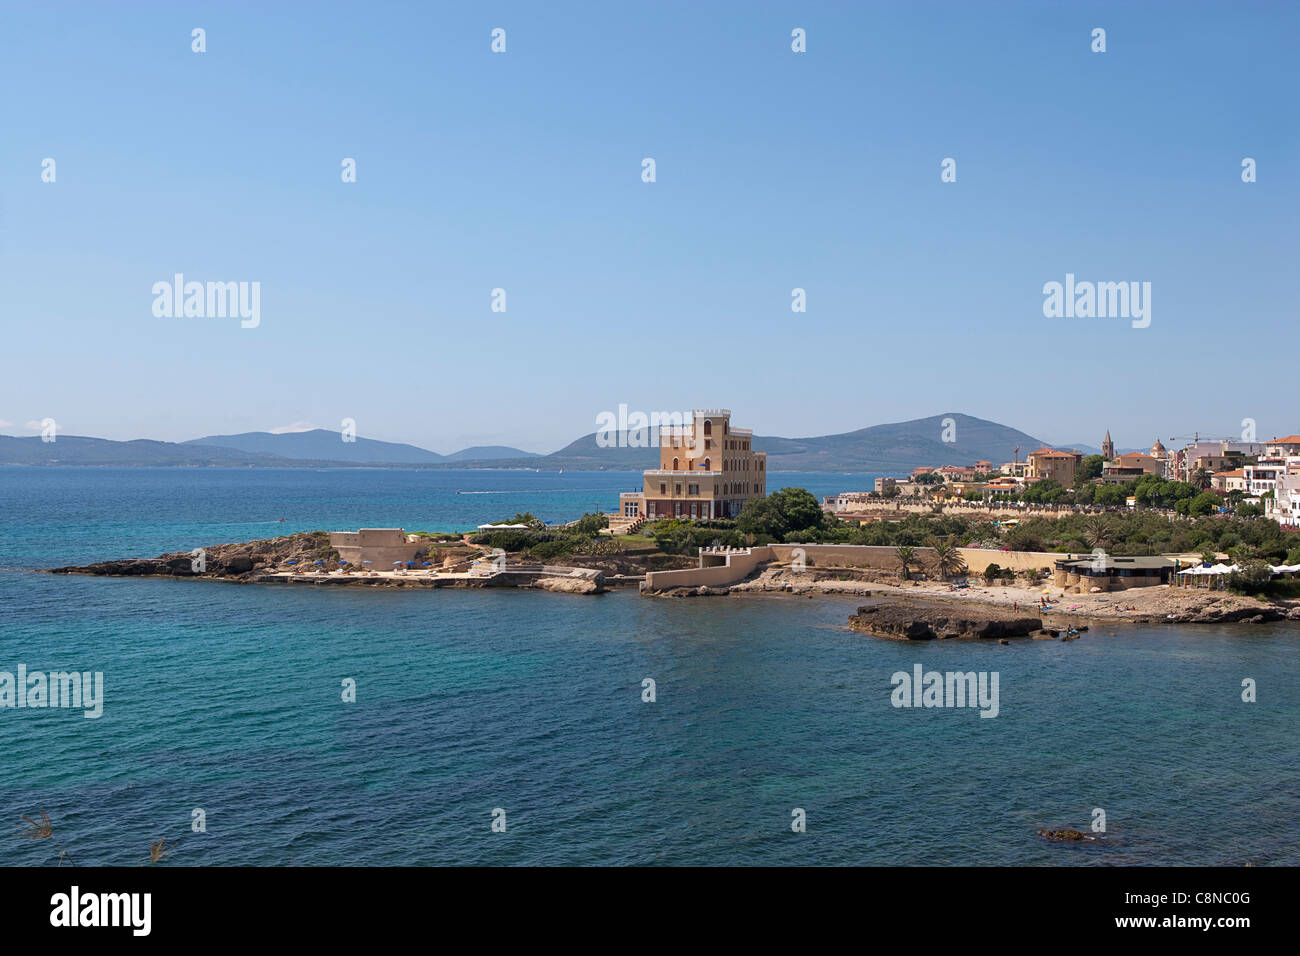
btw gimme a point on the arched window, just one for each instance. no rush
(675, 464)
(708, 427)
(706, 465)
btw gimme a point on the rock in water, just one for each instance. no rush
(902, 622)
(1065, 836)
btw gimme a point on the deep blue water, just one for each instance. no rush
(227, 698)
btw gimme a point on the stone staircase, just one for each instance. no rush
(622, 524)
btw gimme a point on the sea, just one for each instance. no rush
(525, 727)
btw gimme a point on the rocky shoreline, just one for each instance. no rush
(1150, 605)
(307, 558)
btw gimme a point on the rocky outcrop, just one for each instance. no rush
(241, 561)
(572, 585)
(913, 623)
(1215, 614)
(300, 559)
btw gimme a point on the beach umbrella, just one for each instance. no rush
(320, 562)
(365, 562)
(425, 564)
(291, 562)
(343, 562)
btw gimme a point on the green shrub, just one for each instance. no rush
(546, 550)
(1254, 577)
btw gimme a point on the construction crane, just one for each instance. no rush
(1195, 437)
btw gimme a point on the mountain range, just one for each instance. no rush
(320, 444)
(894, 447)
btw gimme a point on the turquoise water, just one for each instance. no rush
(227, 698)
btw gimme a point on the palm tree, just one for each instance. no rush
(1201, 479)
(1096, 531)
(906, 555)
(947, 558)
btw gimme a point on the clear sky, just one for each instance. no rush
(774, 170)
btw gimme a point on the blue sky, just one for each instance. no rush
(522, 171)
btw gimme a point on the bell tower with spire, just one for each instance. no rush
(1108, 448)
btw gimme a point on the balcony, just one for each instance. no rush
(665, 472)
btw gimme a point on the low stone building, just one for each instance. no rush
(379, 547)
(1112, 572)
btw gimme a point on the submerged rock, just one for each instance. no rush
(1065, 836)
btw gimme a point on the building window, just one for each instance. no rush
(708, 427)
(663, 488)
(675, 468)
(692, 489)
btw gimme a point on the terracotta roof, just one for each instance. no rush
(1053, 453)
(1288, 440)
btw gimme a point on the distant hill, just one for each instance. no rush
(79, 450)
(900, 446)
(320, 444)
(489, 453)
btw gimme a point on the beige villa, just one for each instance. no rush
(1058, 465)
(707, 469)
